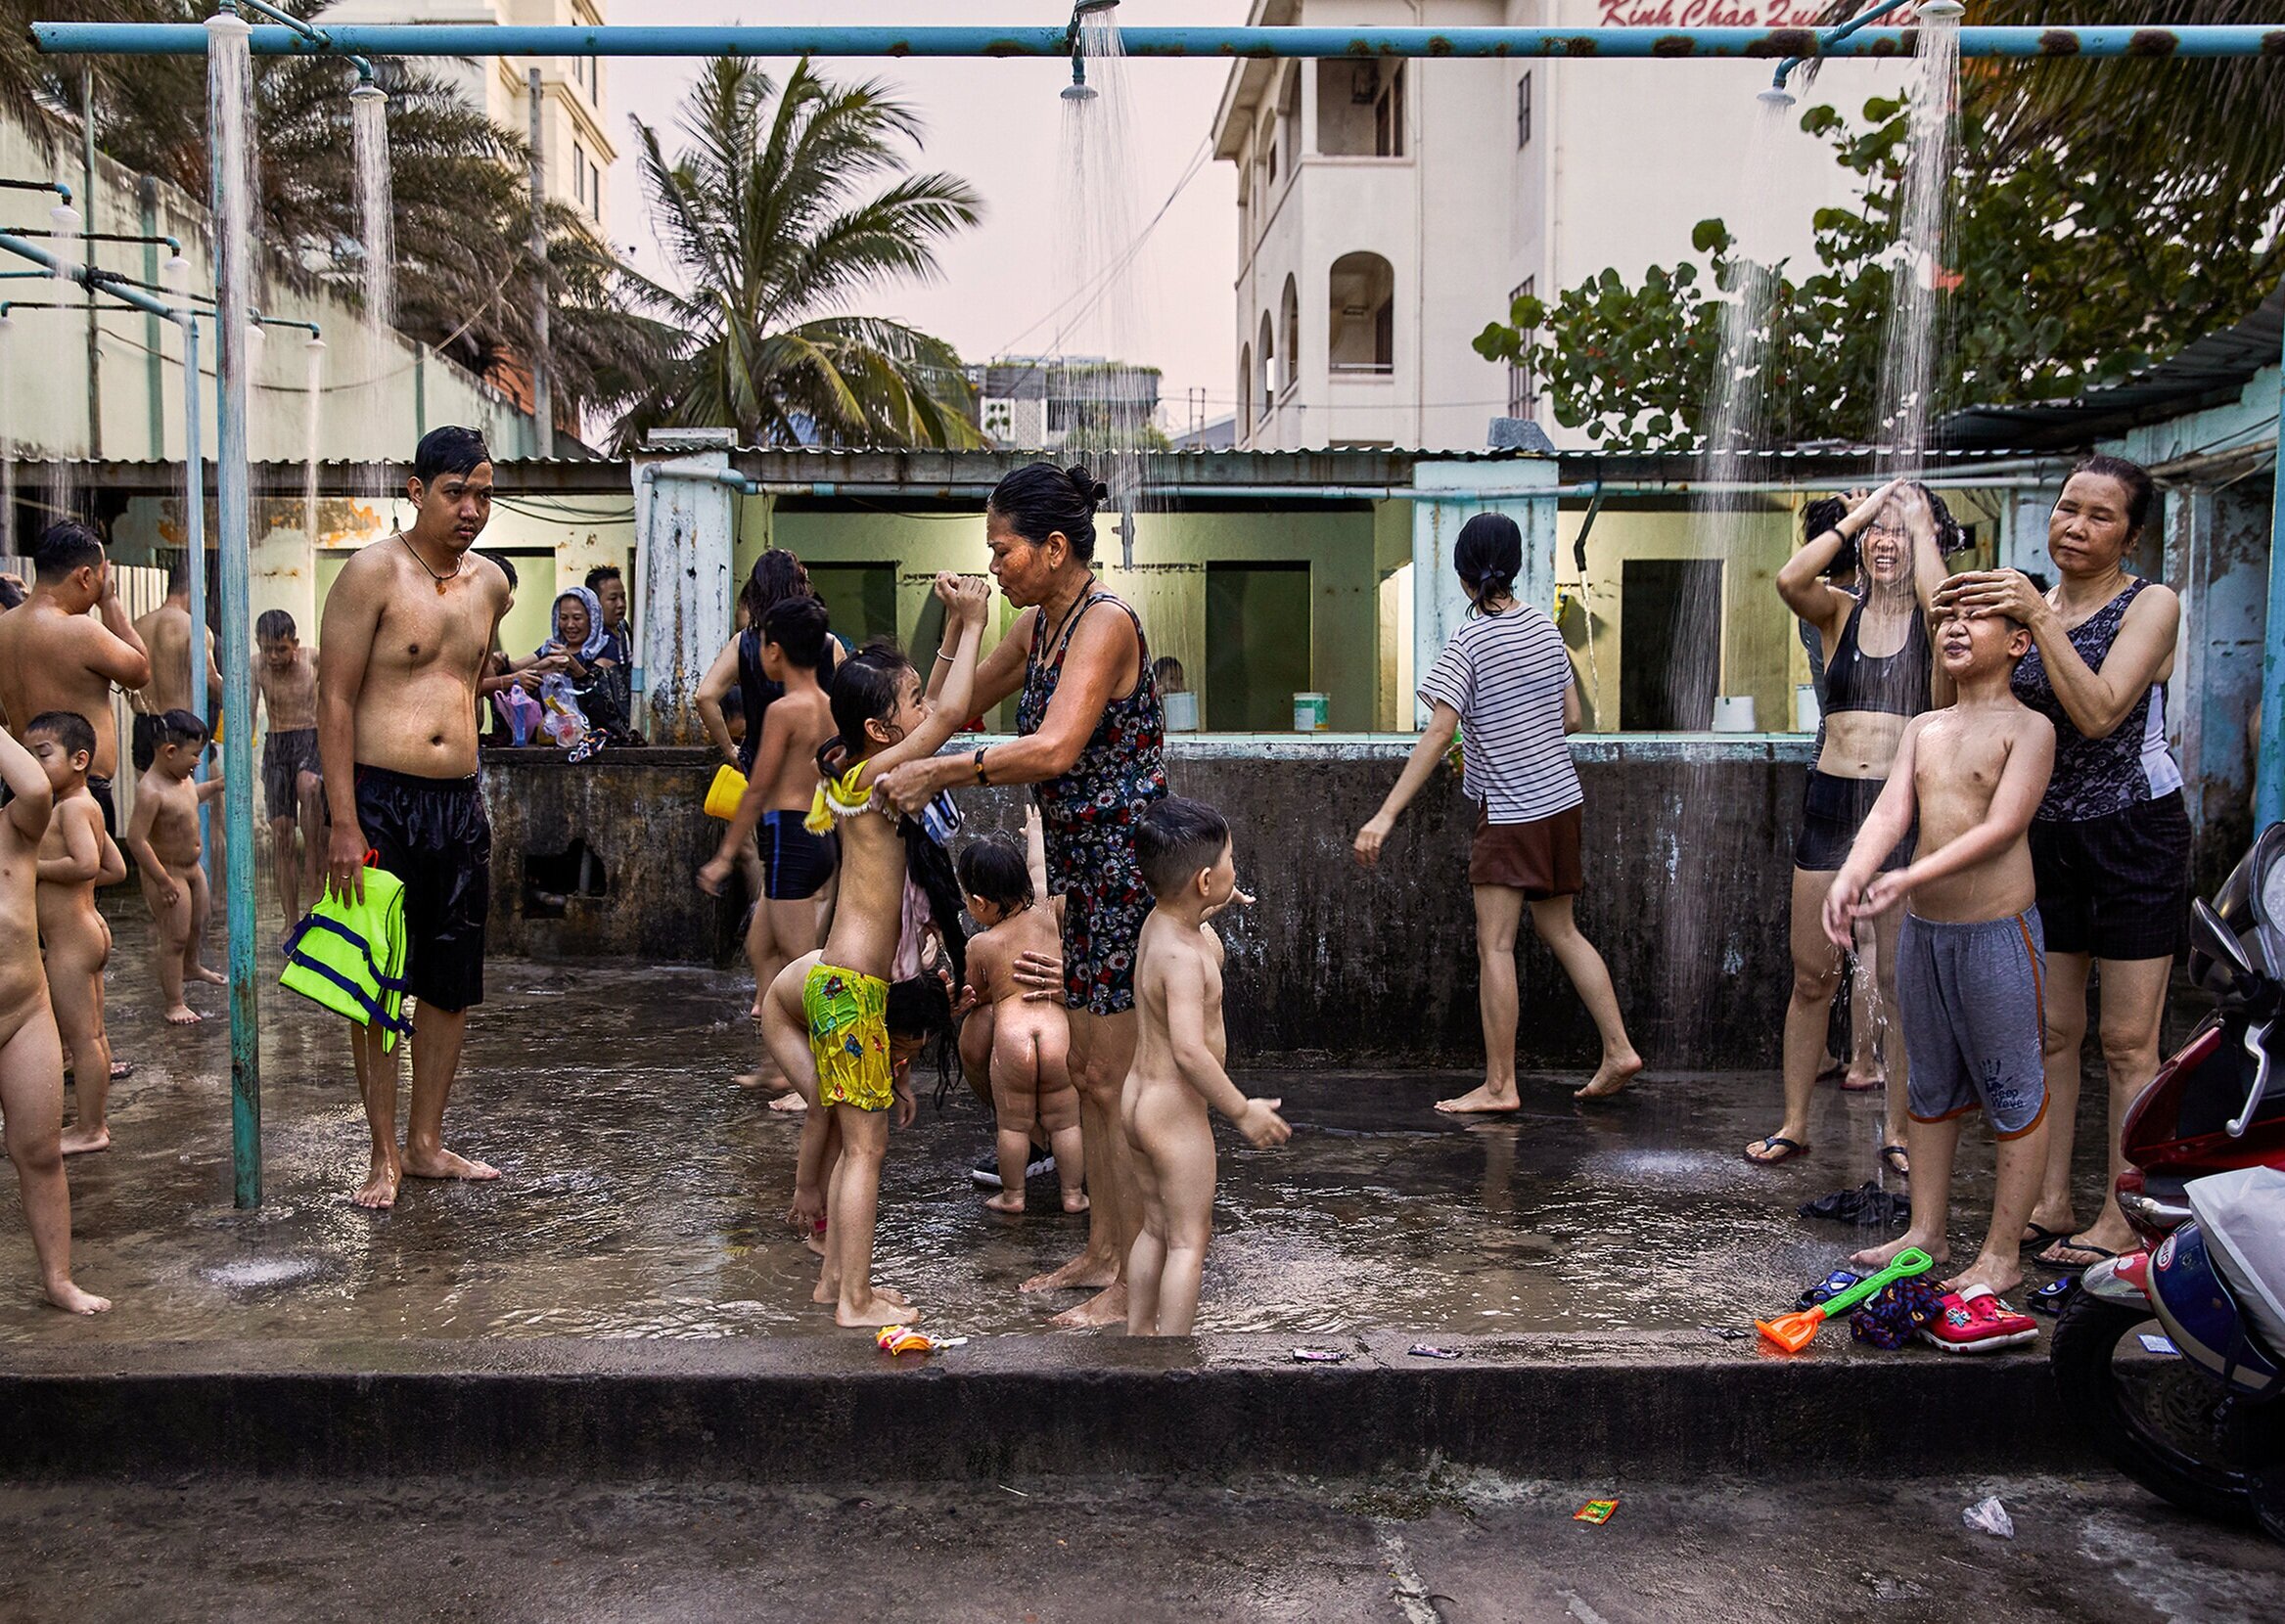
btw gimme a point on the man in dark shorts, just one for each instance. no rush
(402, 648)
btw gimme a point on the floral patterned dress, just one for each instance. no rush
(1090, 815)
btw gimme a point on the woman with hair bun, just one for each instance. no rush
(1090, 742)
(1507, 676)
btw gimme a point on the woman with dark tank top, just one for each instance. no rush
(2110, 842)
(1879, 674)
(1091, 744)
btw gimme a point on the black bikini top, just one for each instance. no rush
(1894, 684)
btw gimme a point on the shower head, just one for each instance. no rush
(1078, 90)
(368, 91)
(1942, 9)
(1775, 97)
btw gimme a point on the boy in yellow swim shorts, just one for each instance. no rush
(884, 718)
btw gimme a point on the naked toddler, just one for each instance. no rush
(1183, 847)
(162, 837)
(1031, 1039)
(76, 856)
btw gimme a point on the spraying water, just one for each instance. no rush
(368, 134)
(1736, 425)
(1908, 346)
(1112, 425)
(313, 353)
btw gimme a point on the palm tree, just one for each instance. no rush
(765, 215)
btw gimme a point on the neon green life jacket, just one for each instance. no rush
(350, 956)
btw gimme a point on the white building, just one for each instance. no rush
(1039, 402)
(574, 151)
(1389, 210)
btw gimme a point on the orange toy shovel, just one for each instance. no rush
(1795, 1331)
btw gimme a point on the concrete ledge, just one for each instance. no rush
(808, 1409)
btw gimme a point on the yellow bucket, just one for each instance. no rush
(725, 792)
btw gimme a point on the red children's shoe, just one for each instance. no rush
(1976, 1321)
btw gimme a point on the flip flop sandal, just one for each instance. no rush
(2051, 1298)
(1834, 1073)
(122, 1069)
(1786, 1148)
(1873, 1087)
(1898, 1159)
(2039, 1237)
(2094, 1254)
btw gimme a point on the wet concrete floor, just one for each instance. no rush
(644, 1192)
(1441, 1548)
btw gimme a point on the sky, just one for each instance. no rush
(998, 125)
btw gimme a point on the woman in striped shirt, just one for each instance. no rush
(1506, 675)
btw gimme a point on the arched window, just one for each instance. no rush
(1244, 391)
(1289, 323)
(1361, 337)
(1265, 380)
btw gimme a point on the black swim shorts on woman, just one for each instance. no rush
(431, 834)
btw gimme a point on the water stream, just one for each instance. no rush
(7, 435)
(1098, 269)
(313, 401)
(368, 134)
(1908, 345)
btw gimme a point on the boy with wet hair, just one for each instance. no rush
(293, 779)
(76, 856)
(1971, 964)
(1184, 848)
(163, 839)
(881, 716)
(1002, 885)
(32, 1056)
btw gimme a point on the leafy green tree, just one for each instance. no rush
(773, 218)
(2057, 273)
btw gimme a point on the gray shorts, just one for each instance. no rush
(1972, 999)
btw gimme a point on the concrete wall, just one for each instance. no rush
(1688, 843)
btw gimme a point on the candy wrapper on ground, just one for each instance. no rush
(905, 1339)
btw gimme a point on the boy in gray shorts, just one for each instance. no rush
(1970, 963)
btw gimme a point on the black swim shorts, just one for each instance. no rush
(100, 789)
(431, 834)
(286, 754)
(2115, 886)
(794, 863)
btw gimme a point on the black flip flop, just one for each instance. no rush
(2041, 1237)
(1895, 1155)
(2097, 1254)
(1787, 1149)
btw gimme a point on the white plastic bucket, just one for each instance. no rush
(1733, 713)
(1807, 713)
(1181, 712)
(1312, 712)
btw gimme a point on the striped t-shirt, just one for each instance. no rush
(1506, 674)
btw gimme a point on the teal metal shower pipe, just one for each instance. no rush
(1055, 40)
(1833, 36)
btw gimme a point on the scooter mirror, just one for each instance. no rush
(2215, 939)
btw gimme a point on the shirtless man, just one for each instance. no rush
(166, 634)
(403, 641)
(293, 787)
(54, 655)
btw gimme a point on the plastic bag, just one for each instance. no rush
(565, 723)
(1989, 1516)
(520, 713)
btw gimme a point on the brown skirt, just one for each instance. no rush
(1540, 858)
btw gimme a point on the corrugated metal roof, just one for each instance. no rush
(2212, 371)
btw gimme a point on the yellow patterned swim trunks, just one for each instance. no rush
(848, 1037)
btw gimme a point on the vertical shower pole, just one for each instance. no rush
(229, 70)
(2270, 760)
(193, 465)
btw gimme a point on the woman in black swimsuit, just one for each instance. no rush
(1879, 672)
(2110, 842)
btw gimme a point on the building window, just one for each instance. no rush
(1361, 337)
(1389, 115)
(1523, 390)
(1265, 380)
(1360, 108)
(1288, 322)
(594, 191)
(579, 174)
(1523, 113)
(1244, 391)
